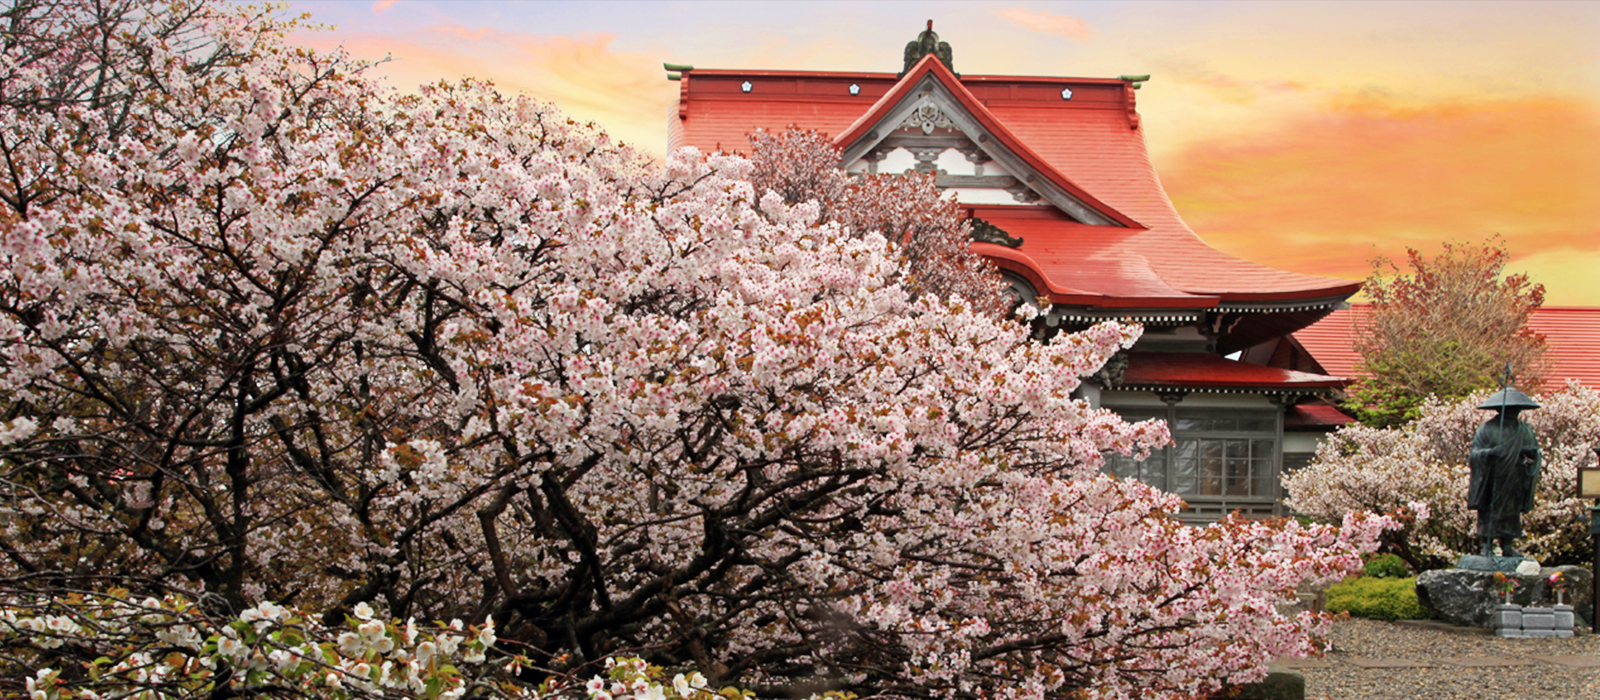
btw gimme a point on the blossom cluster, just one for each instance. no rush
(169, 648)
(631, 678)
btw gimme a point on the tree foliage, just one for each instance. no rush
(1361, 468)
(269, 332)
(1446, 329)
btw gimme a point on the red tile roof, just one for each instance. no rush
(1331, 341)
(1314, 415)
(1571, 333)
(1091, 142)
(1192, 369)
(714, 113)
(1076, 263)
(1572, 337)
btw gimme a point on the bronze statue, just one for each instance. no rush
(1505, 472)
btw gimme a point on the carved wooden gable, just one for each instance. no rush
(928, 141)
(930, 128)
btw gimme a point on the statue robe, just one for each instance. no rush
(1505, 468)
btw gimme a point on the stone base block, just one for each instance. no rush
(1538, 619)
(1507, 617)
(1564, 617)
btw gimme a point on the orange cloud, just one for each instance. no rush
(627, 93)
(1323, 192)
(1244, 92)
(1046, 23)
(382, 6)
(464, 33)
(1227, 89)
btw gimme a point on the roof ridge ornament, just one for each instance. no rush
(986, 232)
(927, 43)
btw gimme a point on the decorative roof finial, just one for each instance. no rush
(927, 43)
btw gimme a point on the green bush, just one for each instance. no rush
(1377, 598)
(1386, 566)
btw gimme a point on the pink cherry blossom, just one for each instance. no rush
(268, 329)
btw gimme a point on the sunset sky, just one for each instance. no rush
(1307, 136)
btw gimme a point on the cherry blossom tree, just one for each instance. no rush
(287, 354)
(1360, 468)
(927, 229)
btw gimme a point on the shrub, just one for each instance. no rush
(1377, 598)
(1386, 566)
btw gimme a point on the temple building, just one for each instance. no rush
(1057, 180)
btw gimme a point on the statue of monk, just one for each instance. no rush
(1505, 472)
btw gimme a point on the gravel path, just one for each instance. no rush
(1373, 660)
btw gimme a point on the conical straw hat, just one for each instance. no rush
(1507, 398)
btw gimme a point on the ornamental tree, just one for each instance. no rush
(925, 228)
(1446, 329)
(282, 350)
(1360, 468)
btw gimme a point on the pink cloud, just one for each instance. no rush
(1046, 23)
(382, 6)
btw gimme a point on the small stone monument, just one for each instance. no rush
(1512, 620)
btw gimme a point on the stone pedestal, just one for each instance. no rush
(1564, 620)
(1507, 620)
(1467, 597)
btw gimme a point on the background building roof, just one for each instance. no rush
(1571, 333)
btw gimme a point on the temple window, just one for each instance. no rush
(1217, 456)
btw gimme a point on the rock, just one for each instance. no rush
(1464, 597)
(1467, 597)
